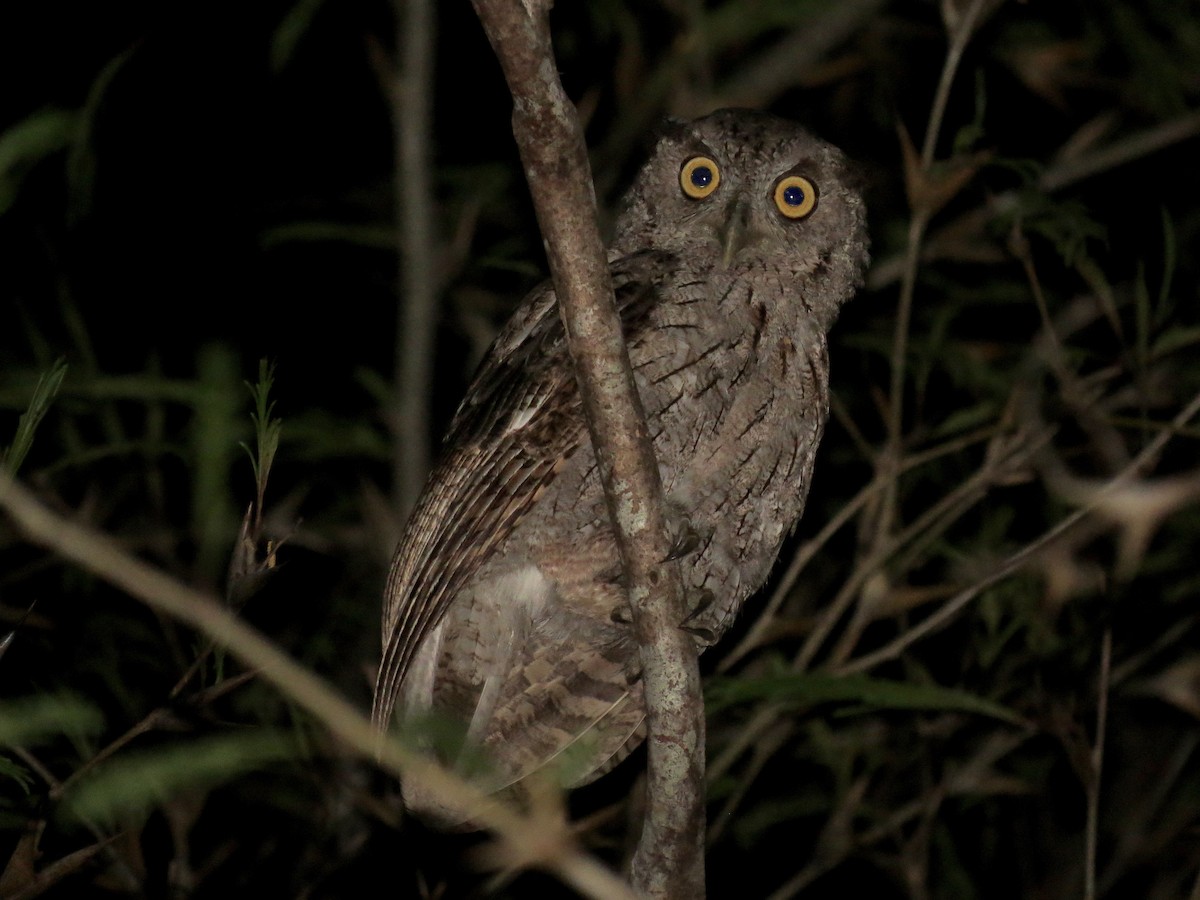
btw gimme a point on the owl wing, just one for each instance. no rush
(519, 423)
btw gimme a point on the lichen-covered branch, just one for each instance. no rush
(669, 858)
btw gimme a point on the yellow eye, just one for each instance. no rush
(795, 196)
(699, 177)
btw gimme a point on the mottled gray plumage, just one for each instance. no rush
(503, 609)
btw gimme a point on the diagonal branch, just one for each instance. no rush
(669, 858)
(530, 840)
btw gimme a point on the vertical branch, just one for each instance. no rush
(416, 320)
(961, 31)
(668, 861)
(1093, 791)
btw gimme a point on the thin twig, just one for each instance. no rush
(1139, 821)
(1105, 437)
(1057, 176)
(157, 718)
(800, 561)
(1019, 559)
(889, 460)
(970, 491)
(764, 750)
(151, 722)
(1136, 146)
(961, 33)
(758, 632)
(1093, 788)
(120, 867)
(895, 823)
(950, 610)
(921, 529)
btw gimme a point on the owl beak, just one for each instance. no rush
(735, 234)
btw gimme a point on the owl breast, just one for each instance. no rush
(530, 653)
(737, 413)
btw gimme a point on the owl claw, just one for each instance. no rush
(614, 575)
(706, 636)
(704, 599)
(687, 540)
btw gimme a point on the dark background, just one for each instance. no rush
(187, 191)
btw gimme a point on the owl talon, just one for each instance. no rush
(704, 600)
(687, 540)
(615, 575)
(706, 636)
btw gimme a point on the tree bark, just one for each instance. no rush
(669, 860)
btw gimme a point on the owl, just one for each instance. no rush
(505, 611)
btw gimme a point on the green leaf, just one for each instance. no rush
(1141, 308)
(217, 425)
(16, 773)
(30, 719)
(266, 428)
(1175, 339)
(139, 781)
(1170, 257)
(44, 393)
(296, 23)
(860, 692)
(38, 136)
(966, 418)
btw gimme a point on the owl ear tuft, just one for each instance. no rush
(666, 127)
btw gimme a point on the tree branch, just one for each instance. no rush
(412, 118)
(542, 840)
(668, 861)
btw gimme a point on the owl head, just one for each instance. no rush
(749, 193)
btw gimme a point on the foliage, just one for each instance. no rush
(974, 673)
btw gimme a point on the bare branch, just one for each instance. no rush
(669, 858)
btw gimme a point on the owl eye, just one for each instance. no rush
(699, 177)
(795, 196)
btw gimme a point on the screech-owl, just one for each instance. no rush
(737, 243)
